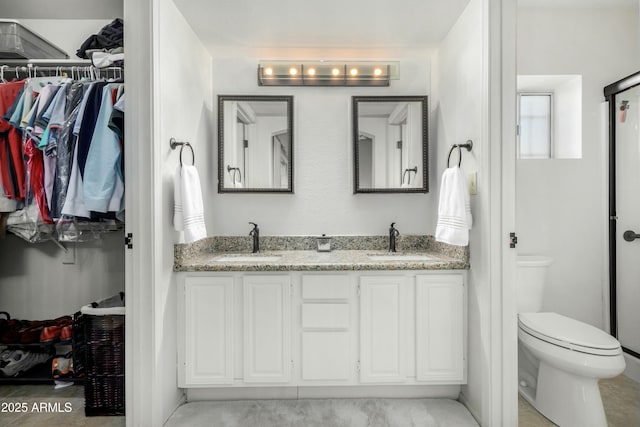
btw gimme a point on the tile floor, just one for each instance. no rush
(620, 397)
(69, 398)
(324, 413)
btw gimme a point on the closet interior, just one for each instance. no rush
(62, 188)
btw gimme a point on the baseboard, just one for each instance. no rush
(321, 392)
(633, 368)
(462, 398)
(181, 401)
(380, 392)
(241, 393)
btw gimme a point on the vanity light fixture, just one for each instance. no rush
(327, 73)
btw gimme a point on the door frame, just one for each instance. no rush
(610, 93)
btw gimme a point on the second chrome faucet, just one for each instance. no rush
(393, 233)
(255, 233)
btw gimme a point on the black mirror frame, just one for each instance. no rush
(425, 143)
(249, 98)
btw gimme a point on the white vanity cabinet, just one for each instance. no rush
(321, 328)
(327, 329)
(267, 328)
(383, 328)
(440, 328)
(206, 330)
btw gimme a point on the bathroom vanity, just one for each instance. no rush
(303, 318)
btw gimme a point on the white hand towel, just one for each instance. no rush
(192, 206)
(454, 209)
(178, 219)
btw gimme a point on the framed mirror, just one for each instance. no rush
(390, 144)
(255, 144)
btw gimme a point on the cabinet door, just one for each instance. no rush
(267, 329)
(439, 328)
(383, 317)
(208, 331)
(326, 356)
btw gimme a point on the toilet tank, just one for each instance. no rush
(531, 277)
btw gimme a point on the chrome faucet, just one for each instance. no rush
(255, 233)
(393, 233)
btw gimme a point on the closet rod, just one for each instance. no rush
(22, 68)
(47, 62)
(33, 70)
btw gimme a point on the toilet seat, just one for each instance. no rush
(569, 333)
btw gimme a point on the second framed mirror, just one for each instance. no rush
(390, 144)
(255, 144)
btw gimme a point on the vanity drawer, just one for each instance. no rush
(326, 286)
(325, 316)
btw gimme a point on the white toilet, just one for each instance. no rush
(560, 359)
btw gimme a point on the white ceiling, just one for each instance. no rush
(321, 24)
(61, 9)
(576, 3)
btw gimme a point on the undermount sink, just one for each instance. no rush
(401, 257)
(248, 258)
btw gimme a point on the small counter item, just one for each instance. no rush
(324, 243)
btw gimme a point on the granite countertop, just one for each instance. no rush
(296, 254)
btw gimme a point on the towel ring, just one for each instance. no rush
(233, 176)
(468, 145)
(193, 155)
(175, 144)
(408, 171)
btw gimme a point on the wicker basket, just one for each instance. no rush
(104, 363)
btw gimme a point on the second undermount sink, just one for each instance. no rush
(400, 257)
(248, 258)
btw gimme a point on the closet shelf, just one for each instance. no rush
(18, 41)
(40, 374)
(35, 345)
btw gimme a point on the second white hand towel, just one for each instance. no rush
(192, 206)
(178, 219)
(454, 209)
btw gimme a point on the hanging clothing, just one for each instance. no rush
(104, 187)
(61, 151)
(11, 163)
(61, 144)
(88, 125)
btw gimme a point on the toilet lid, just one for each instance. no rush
(569, 333)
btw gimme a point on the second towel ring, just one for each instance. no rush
(174, 144)
(468, 145)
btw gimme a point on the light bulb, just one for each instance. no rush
(312, 71)
(335, 71)
(293, 71)
(354, 71)
(377, 72)
(268, 71)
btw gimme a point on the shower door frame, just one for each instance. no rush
(610, 93)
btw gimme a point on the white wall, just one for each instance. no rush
(57, 31)
(323, 201)
(559, 202)
(36, 284)
(458, 112)
(184, 111)
(568, 120)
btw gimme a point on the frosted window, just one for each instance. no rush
(535, 126)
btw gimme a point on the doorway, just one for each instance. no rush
(624, 211)
(365, 154)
